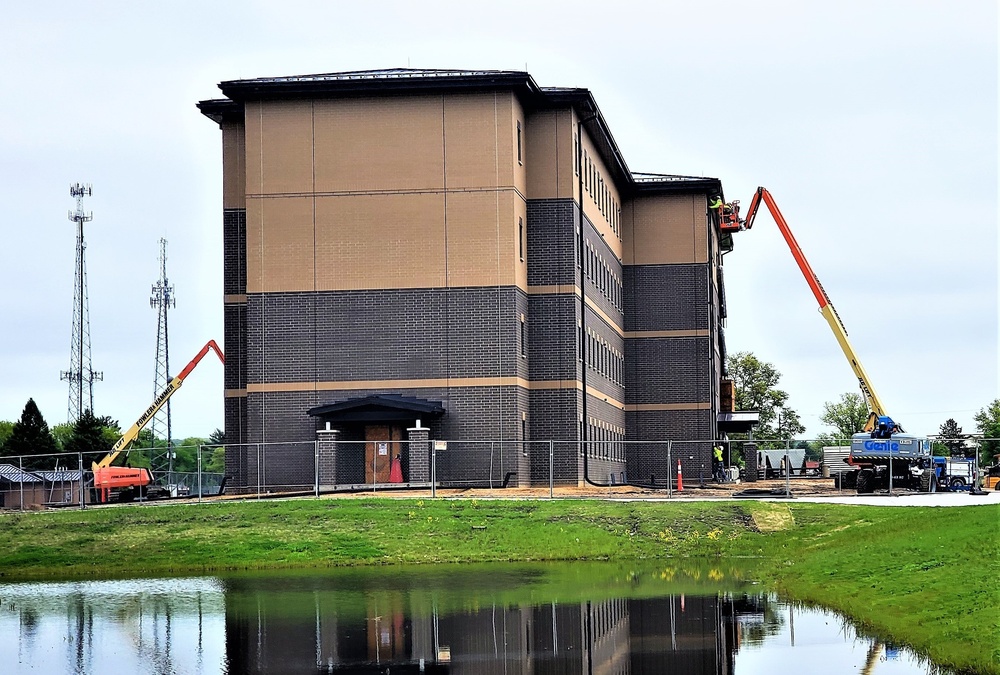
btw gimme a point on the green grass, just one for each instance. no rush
(926, 577)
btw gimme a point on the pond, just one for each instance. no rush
(588, 618)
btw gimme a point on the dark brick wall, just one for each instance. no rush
(475, 417)
(389, 334)
(235, 412)
(234, 251)
(554, 415)
(551, 241)
(599, 282)
(667, 370)
(552, 337)
(234, 317)
(646, 458)
(599, 373)
(666, 297)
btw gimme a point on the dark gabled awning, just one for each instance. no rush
(738, 422)
(379, 408)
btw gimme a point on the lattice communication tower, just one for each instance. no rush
(162, 299)
(81, 376)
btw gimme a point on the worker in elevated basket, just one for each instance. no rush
(715, 203)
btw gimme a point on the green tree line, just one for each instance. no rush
(31, 439)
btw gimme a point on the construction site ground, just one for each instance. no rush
(807, 489)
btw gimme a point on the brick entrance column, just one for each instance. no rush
(750, 459)
(419, 452)
(327, 455)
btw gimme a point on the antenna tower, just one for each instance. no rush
(162, 299)
(80, 375)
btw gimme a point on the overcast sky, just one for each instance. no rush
(873, 124)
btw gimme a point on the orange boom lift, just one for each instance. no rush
(128, 479)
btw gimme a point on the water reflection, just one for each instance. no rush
(585, 618)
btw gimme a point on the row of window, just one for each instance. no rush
(605, 441)
(598, 188)
(604, 278)
(604, 358)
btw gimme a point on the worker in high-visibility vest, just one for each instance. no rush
(715, 203)
(718, 467)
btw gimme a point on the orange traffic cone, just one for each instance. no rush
(395, 471)
(680, 477)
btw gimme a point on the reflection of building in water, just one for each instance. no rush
(692, 635)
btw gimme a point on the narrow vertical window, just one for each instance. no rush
(520, 237)
(519, 141)
(524, 341)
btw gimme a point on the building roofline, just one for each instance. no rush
(412, 81)
(391, 81)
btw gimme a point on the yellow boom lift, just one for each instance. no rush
(128, 479)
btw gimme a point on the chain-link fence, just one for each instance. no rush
(259, 470)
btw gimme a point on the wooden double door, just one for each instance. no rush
(382, 445)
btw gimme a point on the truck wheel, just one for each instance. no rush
(836, 480)
(866, 481)
(957, 483)
(928, 481)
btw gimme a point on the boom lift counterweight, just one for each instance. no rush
(106, 476)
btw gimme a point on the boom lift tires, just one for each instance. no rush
(866, 482)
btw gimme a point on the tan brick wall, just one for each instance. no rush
(665, 229)
(402, 192)
(550, 146)
(233, 166)
(590, 206)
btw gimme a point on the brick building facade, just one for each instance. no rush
(467, 249)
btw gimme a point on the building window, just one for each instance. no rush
(524, 341)
(520, 237)
(519, 141)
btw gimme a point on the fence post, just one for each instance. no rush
(79, 462)
(433, 469)
(258, 471)
(551, 467)
(20, 468)
(670, 486)
(316, 466)
(200, 447)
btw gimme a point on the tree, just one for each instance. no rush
(6, 429)
(216, 461)
(848, 416)
(62, 433)
(89, 436)
(988, 424)
(952, 438)
(756, 389)
(30, 437)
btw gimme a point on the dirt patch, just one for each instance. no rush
(771, 517)
(800, 487)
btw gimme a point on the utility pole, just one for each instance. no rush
(80, 375)
(162, 299)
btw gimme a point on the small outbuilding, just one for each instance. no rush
(20, 489)
(62, 486)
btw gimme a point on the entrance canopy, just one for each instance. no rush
(738, 422)
(378, 408)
